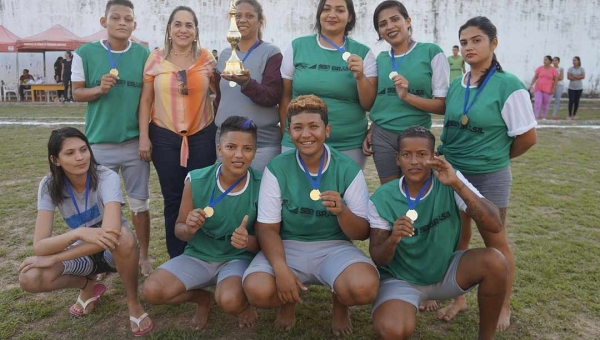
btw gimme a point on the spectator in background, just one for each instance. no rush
(215, 54)
(66, 77)
(58, 66)
(575, 75)
(559, 86)
(545, 80)
(457, 64)
(23, 80)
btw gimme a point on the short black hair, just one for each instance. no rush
(239, 123)
(455, 46)
(111, 3)
(420, 132)
(26, 70)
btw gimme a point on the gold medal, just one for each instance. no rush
(393, 74)
(412, 214)
(232, 84)
(346, 55)
(209, 211)
(114, 72)
(465, 120)
(315, 194)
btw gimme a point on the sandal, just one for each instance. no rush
(98, 291)
(139, 320)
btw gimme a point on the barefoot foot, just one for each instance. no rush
(449, 312)
(145, 267)
(341, 325)
(429, 306)
(200, 320)
(504, 320)
(247, 319)
(286, 317)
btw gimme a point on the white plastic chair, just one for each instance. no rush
(8, 90)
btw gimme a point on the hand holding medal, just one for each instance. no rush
(195, 220)
(402, 227)
(412, 205)
(401, 85)
(356, 66)
(332, 200)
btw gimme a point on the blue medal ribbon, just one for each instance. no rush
(250, 50)
(72, 195)
(396, 67)
(412, 205)
(314, 183)
(340, 49)
(214, 201)
(467, 106)
(110, 56)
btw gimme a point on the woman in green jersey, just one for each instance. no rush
(216, 219)
(489, 120)
(339, 70)
(412, 83)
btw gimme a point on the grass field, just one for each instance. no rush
(553, 222)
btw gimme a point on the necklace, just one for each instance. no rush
(183, 54)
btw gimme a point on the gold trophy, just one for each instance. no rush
(234, 65)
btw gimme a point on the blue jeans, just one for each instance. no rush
(171, 175)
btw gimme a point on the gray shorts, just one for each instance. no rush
(195, 273)
(393, 289)
(318, 263)
(495, 186)
(356, 154)
(126, 158)
(385, 148)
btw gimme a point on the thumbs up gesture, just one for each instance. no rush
(239, 239)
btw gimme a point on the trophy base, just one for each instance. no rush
(233, 68)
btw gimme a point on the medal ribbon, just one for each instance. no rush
(250, 50)
(466, 105)
(396, 67)
(340, 49)
(314, 183)
(110, 56)
(413, 204)
(72, 195)
(214, 201)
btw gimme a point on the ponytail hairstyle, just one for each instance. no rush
(57, 178)
(486, 26)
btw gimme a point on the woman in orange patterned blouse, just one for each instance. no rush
(177, 130)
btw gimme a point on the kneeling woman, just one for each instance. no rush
(216, 216)
(88, 197)
(313, 201)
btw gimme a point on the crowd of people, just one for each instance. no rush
(264, 189)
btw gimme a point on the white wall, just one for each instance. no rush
(528, 29)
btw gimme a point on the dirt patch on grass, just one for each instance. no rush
(589, 327)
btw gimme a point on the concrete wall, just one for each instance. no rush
(528, 29)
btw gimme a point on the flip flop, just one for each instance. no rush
(97, 292)
(139, 320)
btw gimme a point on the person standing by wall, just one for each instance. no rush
(575, 75)
(545, 80)
(559, 86)
(58, 66)
(66, 77)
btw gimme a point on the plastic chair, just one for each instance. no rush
(8, 90)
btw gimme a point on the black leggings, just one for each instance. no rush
(67, 84)
(574, 96)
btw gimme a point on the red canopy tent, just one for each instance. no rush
(8, 40)
(56, 38)
(103, 35)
